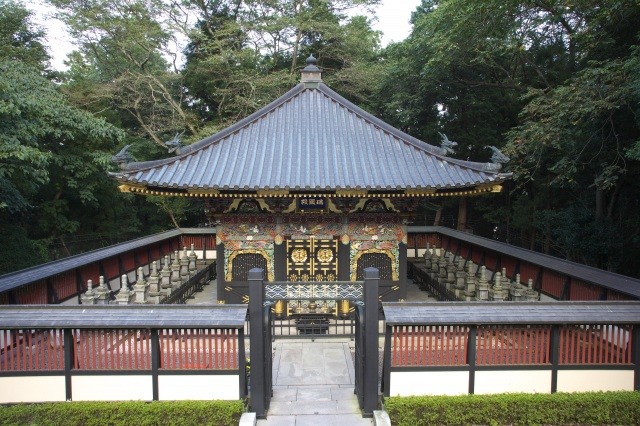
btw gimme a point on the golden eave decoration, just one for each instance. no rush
(339, 193)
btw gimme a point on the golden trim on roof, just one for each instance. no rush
(212, 193)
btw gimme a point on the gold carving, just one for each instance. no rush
(332, 206)
(345, 239)
(273, 192)
(278, 240)
(351, 192)
(395, 276)
(299, 255)
(269, 271)
(325, 255)
(202, 192)
(292, 207)
(418, 192)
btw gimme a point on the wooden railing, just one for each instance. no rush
(554, 277)
(129, 352)
(60, 280)
(192, 286)
(486, 347)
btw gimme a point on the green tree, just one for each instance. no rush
(19, 40)
(552, 82)
(122, 64)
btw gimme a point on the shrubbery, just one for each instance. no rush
(620, 408)
(218, 413)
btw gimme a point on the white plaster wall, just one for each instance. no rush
(421, 252)
(595, 380)
(411, 253)
(211, 254)
(429, 383)
(111, 388)
(195, 387)
(525, 381)
(32, 389)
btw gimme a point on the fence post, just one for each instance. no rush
(257, 382)
(386, 367)
(635, 354)
(471, 356)
(155, 363)
(242, 366)
(69, 348)
(554, 350)
(370, 382)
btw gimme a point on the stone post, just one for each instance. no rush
(155, 291)
(460, 279)
(470, 283)
(531, 295)
(516, 289)
(505, 284)
(141, 288)
(125, 296)
(433, 274)
(184, 266)
(451, 272)
(89, 297)
(427, 259)
(102, 293)
(442, 268)
(482, 292)
(175, 271)
(496, 293)
(165, 276)
(192, 261)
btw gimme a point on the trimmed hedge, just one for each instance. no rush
(218, 413)
(601, 408)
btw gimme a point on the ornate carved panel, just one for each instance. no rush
(312, 259)
(240, 262)
(382, 261)
(375, 258)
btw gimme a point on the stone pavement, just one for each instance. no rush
(313, 383)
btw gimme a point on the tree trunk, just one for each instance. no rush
(599, 203)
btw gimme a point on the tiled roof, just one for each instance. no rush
(310, 139)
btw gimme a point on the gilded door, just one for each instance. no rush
(312, 260)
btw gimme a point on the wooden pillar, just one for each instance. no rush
(402, 271)
(280, 262)
(370, 382)
(220, 278)
(258, 395)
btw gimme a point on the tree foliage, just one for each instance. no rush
(554, 83)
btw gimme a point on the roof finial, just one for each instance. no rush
(311, 60)
(311, 73)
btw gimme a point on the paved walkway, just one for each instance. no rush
(313, 383)
(313, 380)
